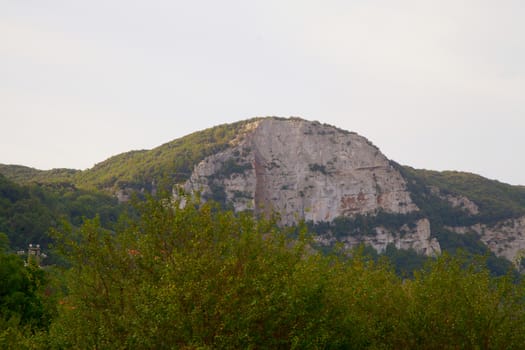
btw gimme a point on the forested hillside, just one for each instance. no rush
(172, 162)
(25, 175)
(28, 212)
(166, 271)
(496, 200)
(453, 202)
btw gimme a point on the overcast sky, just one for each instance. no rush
(434, 84)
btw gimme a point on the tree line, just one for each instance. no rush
(199, 277)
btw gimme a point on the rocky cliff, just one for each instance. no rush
(416, 236)
(309, 171)
(505, 238)
(302, 170)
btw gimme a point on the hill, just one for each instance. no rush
(336, 180)
(29, 211)
(24, 175)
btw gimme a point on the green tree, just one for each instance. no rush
(199, 277)
(23, 311)
(454, 305)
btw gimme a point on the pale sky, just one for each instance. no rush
(434, 84)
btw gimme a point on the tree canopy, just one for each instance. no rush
(199, 277)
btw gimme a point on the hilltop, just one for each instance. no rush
(335, 180)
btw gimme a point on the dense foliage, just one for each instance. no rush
(27, 212)
(145, 170)
(24, 175)
(198, 277)
(167, 164)
(23, 309)
(496, 200)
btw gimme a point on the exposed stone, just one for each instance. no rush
(123, 196)
(417, 238)
(505, 239)
(302, 170)
(461, 202)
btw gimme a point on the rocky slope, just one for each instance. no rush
(302, 170)
(417, 237)
(333, 179)
(313, 172)
(505, 238)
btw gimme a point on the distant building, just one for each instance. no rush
(34, 254)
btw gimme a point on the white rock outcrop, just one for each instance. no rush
(416, 237)
(456, 201)
(308, 171)
(505, 238)
(302, 170)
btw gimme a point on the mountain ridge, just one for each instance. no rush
(336, 174)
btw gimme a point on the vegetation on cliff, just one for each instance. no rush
(167, 164)
(496, 201)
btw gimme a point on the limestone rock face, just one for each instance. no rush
(418, 237)
(505, 239)
(461, 202)
(302, 170)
